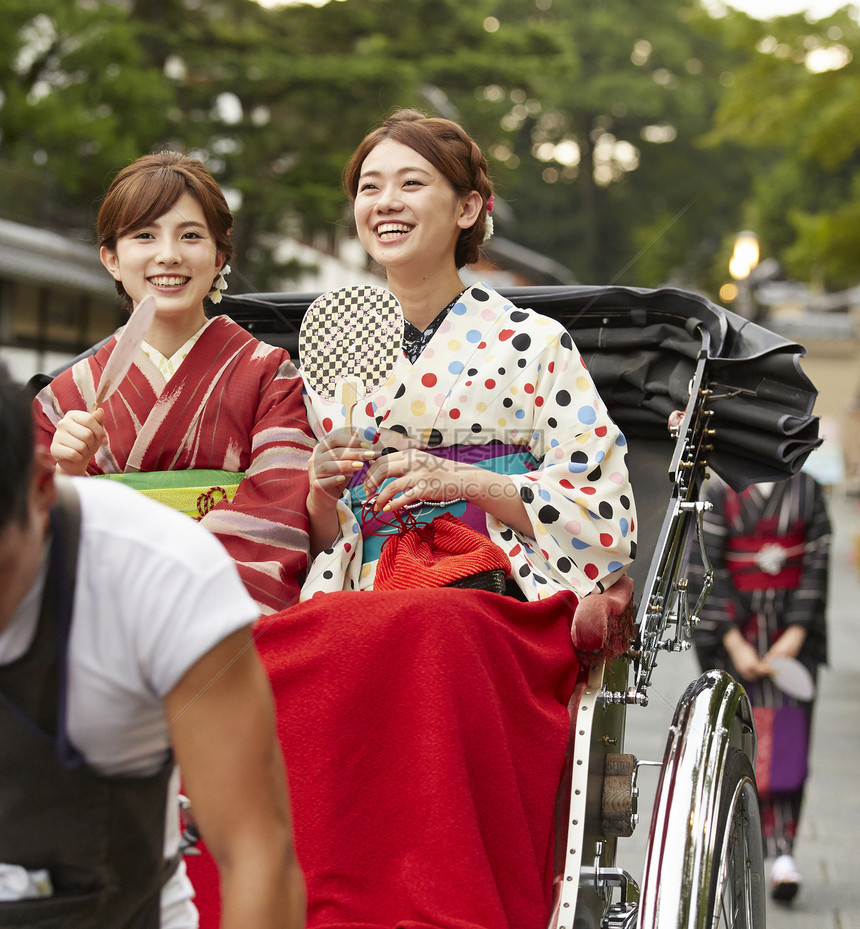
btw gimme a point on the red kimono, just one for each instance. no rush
(234, 404)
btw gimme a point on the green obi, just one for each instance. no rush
(193, 492)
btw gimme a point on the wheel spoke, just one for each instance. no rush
(735, 903)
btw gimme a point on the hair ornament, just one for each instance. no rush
(219, 285)
(488, 220)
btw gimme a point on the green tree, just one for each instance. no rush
(794, 104)
(79, 99)
(607, 174)
(273, 99)
(592, 116)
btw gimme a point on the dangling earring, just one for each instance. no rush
(219, 285)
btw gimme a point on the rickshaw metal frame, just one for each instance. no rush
(663, 605)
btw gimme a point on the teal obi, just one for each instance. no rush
(376, 527)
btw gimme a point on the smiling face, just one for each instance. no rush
(173, 258)
(407, 214)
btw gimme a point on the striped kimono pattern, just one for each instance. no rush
(770, 556)
(234, 404)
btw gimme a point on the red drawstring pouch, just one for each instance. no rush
(442, 553)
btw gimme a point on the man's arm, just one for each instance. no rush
(221, 722)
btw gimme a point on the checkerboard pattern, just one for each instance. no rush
(354, 332)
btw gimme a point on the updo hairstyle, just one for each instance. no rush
(450, 150)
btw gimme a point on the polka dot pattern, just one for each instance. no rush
(498, 374)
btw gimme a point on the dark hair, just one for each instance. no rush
(450, 150)
(148, 188)
(16, 442)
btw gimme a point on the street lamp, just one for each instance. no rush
(745, 255)
(744, 259)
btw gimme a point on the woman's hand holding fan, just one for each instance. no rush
(349, 343)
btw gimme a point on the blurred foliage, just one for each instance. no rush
(626, 97)
(794, 104)
(628, 141)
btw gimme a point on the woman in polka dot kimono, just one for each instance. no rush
(425, 729)
(493, 404)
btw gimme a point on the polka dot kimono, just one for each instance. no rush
(504, 378)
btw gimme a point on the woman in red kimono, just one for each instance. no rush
(203, 397)
(769, 547)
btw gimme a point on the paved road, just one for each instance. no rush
(827, 851)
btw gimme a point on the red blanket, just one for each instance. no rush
(424, 734)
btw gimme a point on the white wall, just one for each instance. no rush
(23, 363)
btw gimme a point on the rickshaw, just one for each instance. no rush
(743, 409)
(740, 406)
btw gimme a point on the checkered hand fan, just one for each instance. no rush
(349, 342)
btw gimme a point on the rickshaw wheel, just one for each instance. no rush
(704, 867)
(736, 890)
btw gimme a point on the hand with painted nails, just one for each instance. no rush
(401, 477)
(333, 462)
(408, 475)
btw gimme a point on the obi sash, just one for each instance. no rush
(193, 492)
(376, 527)
(766, 561)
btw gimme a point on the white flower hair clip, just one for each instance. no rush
(488, 222)
(219, 285)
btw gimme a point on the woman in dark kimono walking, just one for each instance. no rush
(769, 546)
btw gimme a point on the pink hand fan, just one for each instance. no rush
(792, 678)
(121, 358)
